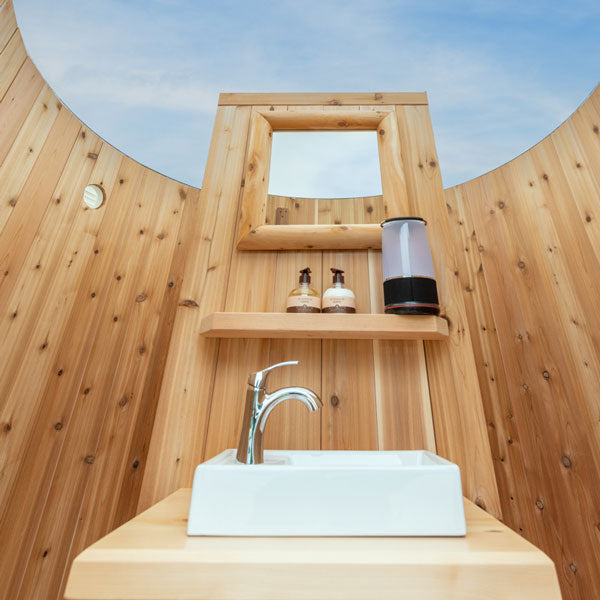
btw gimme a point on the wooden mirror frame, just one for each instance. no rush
(253, 231)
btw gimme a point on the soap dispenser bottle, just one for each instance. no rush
(304, 299)
(338, 298)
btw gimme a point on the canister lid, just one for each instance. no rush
(403, 219)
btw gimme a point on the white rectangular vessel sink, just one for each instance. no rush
(328, 493)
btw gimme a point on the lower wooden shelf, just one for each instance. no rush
(324, 326)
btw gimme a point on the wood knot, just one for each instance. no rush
(93, 294)
(342, 124)
(59, 372)
(7, 427)
(521, 264)
(123, 401)
(334, 400)
(501, 205)
(189, 303)
(251, 167)
(480, 502)
(12, 202)
(566, 461)
(96, 251)
(182, 194)
(92, 155)
(539, 504)
(136, 463)
(573, 568)
(89, 459)
(432, 163)
(140, 297)
(369, 209)
(121, 181)
(115, 319)
(118, 278)
(58, 426)
(595, 129)
(86, 391)
(545, 177)
(171, 284)
(588, 218)
(161, 236)
(546, 375)
(382, 132)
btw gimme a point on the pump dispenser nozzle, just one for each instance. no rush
(304, 276)
(338, 275)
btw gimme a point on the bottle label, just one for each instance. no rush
(303, 304)
(339, 304)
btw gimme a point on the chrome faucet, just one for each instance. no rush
(259, 404)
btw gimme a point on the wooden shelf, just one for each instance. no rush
(324, 326)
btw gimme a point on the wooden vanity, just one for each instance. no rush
(151, 557)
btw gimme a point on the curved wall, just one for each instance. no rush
(527, 239)
(87, 300)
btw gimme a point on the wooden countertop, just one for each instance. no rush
(151, 557)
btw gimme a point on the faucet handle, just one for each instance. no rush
(259, 379)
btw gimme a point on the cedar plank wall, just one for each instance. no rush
(527, 240)
(87, 301)
(376, 395)
(73, 446)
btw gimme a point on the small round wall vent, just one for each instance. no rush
(93, 195)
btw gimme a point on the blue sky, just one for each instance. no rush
(146, 74)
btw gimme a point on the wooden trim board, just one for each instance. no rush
(311, 99)
(323, 326)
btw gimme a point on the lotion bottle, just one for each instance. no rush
(304, 299)
(338, 298)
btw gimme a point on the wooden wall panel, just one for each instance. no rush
(458, 415)
(72, 325)
(375, 394)
(109, 397)
(179, 436)
(527, 241)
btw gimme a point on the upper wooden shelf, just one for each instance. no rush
(324, 326)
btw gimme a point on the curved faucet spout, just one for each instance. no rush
(304, 395)
(259, 405)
